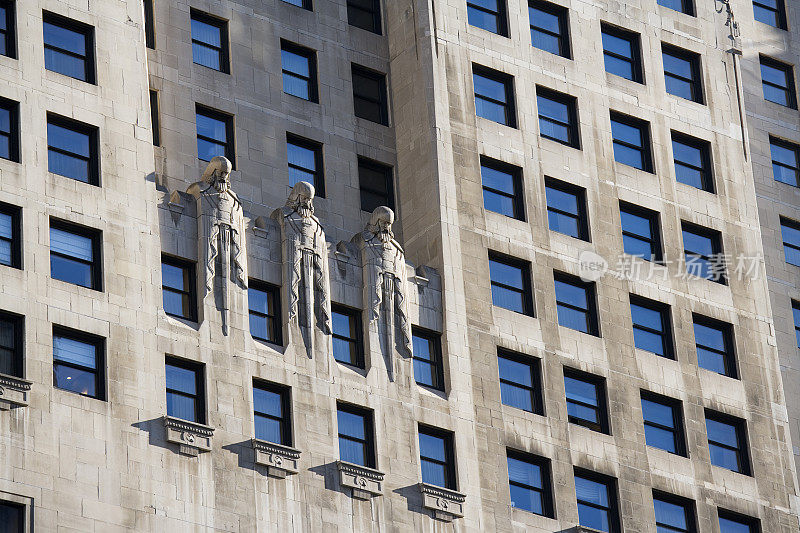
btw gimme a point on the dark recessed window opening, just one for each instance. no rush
(304, 158)
(305, 4)
(641, 235)
(9, 130)
(179, 288)
(72, 149)
(10, 236)
(264, 305)
(154, 122)
(631, 139)
(702, 249)
(529, 483)
(558, 117)
(210, 41)
(681, 6)
(494, 95)
(502, 188)
(69, 47)
(272, 412)
(663, 423)
(149, 25)
(299, 68)
(8, 29)
(12, 516)
(622, 53)
(356, 435)
(785, 161)
(520, 381)
(185, 390)
(777, 80)
(376, 185)
(365, 14)
(772, 12)
(78, 363)
(566, 208)
(652, 327)
(427, 357)
(348, 346)
(796, 317)
(597, 501)
(586, 400)
(75, 255)
(511, 284)
(673, 514)
(549, 27)
(714, 345)
(790, 232)
(575, 304)
(437, 457)
(489, 15)
(11, 345)
(682, 73)
(692, 159)
(727, 442)
(730, 522)
(369, 95)
(214, 135)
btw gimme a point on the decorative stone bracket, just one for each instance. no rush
(365, 482)
(446, 504)
(280, 460)
(192, 437)
(14, 392)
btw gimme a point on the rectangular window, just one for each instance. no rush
(348, 346)
(558, 117)
(586, 400)
(365, 14)
(10, 236)
(566, 208)
(179, 288)
(692, 159)
(210, 41)
(11, 345)
(376, 185)
(796, 317)
(529, 483)
(727, 442)
(673, 514)
(264, 305)
(299, 68)
(69, 47)
(305, 162)
(494, 95)
(369, 95)
(502, 188)
(520, 381)
(790, 231)
(714, 344)
(730, 522)
(652, 327)
(72, 149)
(489, 15)
(12, 516)
(597, 501)
(622, 53)
(437, 457)
(702, 248)
(154, 122)
(575, 303)
(427, 357)
(185, 390)
(631, 139)
(772, 12)
(777, 80)
(9, 130)
(682, 73)
(8, 29)
(663, 423)
(640, 232)
(785, 161)
(356, 436)
(272, 412)
(549, 27)
(78, 362)
(681, 6)
(75, 255)
(149, 25)
(214, 134)
(511, 283)
(305, 4)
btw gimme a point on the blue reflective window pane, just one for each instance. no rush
(629, 156)
(64, 38)
(774, 94)
(573, 319)
(524, 472)
(515, 371)
(490, 110)
(617, 45)
(211, 127)
(544, 20)
(626, 133)
(69, 140)
(563, 224)
(773, 75)
(508, 299)
(709, 336)
(498, 203)
(648, 341)
(591, 491)
(677, 66)
(711, 361)
(206, 33)
(580, 390)
(258, 300)
(561, 200)
(296, 86)
(497, 179)
(526, 499)
(74, 351)
(62, 63)
(657, 413)
(516, 397)
(301, 156)
(553, 109)
(489, 88)
(722, 433)
(5, 120)
(181, 407)
(646, 317)
(424, 373)
(206, 150)
(207, 57)
(546, 42)
(68, 166)
(698, 244)
(506, 274)
(571, 294)
(421, 347)
(75, 380)
(173, 276)
(660, 438)
(6, 226)
(784, 155)
(65, 269)
(173, 303)
(432, 447)
(295, 63)
(351, 451)
(351, 424)
(677, 5)
(687, 154)
(733, 526)
(582, 412)
(70, 244)
(181, 379)
(484, 20)
(671, 514)
(679, 87)
(633, 223)
(638, 247)
(724, 458)
(433, 474)
(268, 402)
(619, 67)
(268, 429)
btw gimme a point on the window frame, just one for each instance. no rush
(786, 145)
(313, 77)
(22, 508)
(15, 212)
(10, 33)
(729, 356)
(368, 416)
(501, 16)
(707, 170)
(780, 14)
(545, 471)
(191, 266)
(664, 311)
(437, 358)
(274, 292)
(450, 467)
(93, 134)
(517, 199)
(646, 149)
(788, 71)
(507, 81)
(96, 236)
(306, 4)
(582, 218)
(319, 171)
(599, 383)
(18, 349)
(149, 25)
(742, 448)
(230, 135)
(611, 485)
(12, 106)
(794, 225)
(536, 391)
(563, 37)
(716, 250)
(199, 370)
(376, 166)
(573, 125)
(285, 393)
(99, 343)
(654, 220)
(377, 21)
(689, 510)
(635, 41)
(524, 266)
(155, 122)
(753, 524)
(687, 7)
(590, 288)
(352, 314)
(795, 321)
(695, 82)
(223, 50)
(383, 99)
(89, 60)
(678, 431)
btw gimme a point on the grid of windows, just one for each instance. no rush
(75, 255)
(185, 390)
(209, 41)
(777, 80)
(714, 345)
(652, 327)
(437, 458)
(494, 95)
(558, 117)
(772, 12)
(272, 412)
(263, 301)
(11, 328)
(575, 303)
(597, 501)
(529, 483)
(304, 158)
(621, 53)
(566, 208)
(78, 362)
(10, 238)
(586, 400)
(8, 29)
(736, 523)
(702, 248)
(179, 288)
(346, 332)
(520, 381)
(299, 68)
(727, 442)
(681, 6)
(502, 188)
(511, 284)
(692, 159)
(365, 14)
(12, 516)
(69, 47)
(682, 73)
(673, 514)
(9, 130)
(369, 95)
(214, 134)
(785, 161)
(631, 139)
(356, 436)
(489, 15)
(549, 25)
(427, 357)
(790, 232)
(663, 423)
(72, 149)
(375, 184)
(640, 232)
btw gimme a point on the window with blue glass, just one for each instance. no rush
(511, 283)
(790, 232)
(9, 130)
(714, 345)
(305, 4)
(272, 412)
(369, 95)
(575, 303)
(356, 436)
(586, 400)
(365, 14)
(663, 423)
(549, 27)
(681, 6)
(214, 134)
(376, 184)
(305, 162)
(596, 495)
(69, 47)
(673, 514)
(210, 41)
(796, 320)
(185, 390)
(179, 288)
(263, 301)
(11, 345)
(682, 73)
(772, 12)
(502, 188)
(8, 29)
(785, 161)
(640, 232)
(78, 362)
(652, 327)
(558, 117)
(348, 346)
(437, 458)
(12, 516)
(730, 522)
(692, 158)
(631, 139)
(72, 149)
(529, 483)
(520, 381)
(702, 248)
(10, 236)
(727, 442)
(777, 81)
(622, 52)
(299, 70)
(494, 95)
(566, 208)
(75, 255)
(489, 15)
(427, 357)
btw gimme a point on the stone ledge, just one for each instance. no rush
(446, 504)
(280, 460)
(365, 482)
(192, 437)
(14, 392)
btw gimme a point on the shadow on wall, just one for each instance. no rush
(155, 431)
(330, 472)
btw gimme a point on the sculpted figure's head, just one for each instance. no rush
(301, 199)
(218, 173)
(380, 223)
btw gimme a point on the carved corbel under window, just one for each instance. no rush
(365, 482)
(446, 504)
(14, 392)
(280, 460)
(192, 437)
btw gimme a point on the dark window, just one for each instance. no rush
(427, 356)
(69, 47)
(621, 53)
(511, 284)
(149, 25)
(727, 442)
(356, 436)
(494, 95)
(796, 317)
(549, 27)
(790, 231)
(305, 162)
(9, 130)
(272, 412)
(682, 73)
(777, 79)
(78, 362)
(640, 232)
(631, 139)
(299, 67)
(502, 188)
(305, 4)
(265, 310)
(154, 122)
(489, 15)
(772, 12)
(597, 501)
(348, 345)
(566, 208)
(75, 255)
(10, 236)
(185, 390)
(214, 134)
(365, 14)
(8, 30)
(714, 344)
(575, 303)
(558, 117)
(520, 381)
(663, 423)
(682, 6)
(179, 288)
(785, 161)
(437, 458)
(72, 149)
(369, 95)
(210, 41)
(529, 483)
(692, 159)
(12, 516)
(652, 327)
(11, 345)
(702, 248)
(586, 400)
(736, 523)
(673, 514)
(375, 182)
